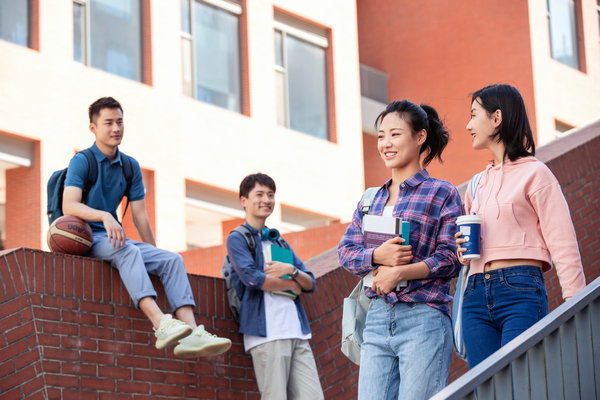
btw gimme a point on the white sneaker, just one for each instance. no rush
(201, 344)
(170, 331)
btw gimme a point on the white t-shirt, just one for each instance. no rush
(282, 319)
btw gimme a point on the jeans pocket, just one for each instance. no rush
(522, 282)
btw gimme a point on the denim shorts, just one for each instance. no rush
(498, 306)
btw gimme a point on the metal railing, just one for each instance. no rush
(557, 358)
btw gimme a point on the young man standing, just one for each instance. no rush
(134, 260)
(275, 327)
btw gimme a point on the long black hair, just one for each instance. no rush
(514, 130)
(419, 118)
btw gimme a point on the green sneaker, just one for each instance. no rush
(201, 344)
(170, 331)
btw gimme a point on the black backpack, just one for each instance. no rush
(233, 297)
(56, 184)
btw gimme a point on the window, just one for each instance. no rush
(373, 84)
(561, 128)
(564, 44)
(301, 77)
(295, 219)
(374, 96)
(210, 48)
(207, 209)
(107, 34)
(598, 8)
(14, 21)
(14, 153)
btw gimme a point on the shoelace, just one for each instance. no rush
(169, 324)
(203, 332)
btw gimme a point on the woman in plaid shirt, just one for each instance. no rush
(407, 344)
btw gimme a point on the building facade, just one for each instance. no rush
(212, 90)
(439, 52)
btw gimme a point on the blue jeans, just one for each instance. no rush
(498, 306)
(136, 260)
(406, 352)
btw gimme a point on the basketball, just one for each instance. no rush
(70, 235)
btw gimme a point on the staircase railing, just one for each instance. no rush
(557, 358)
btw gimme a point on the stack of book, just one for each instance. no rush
(378, 229)
(275, 253)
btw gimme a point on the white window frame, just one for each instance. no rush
(577, 48)
(233, 8)
(316, 39)
(86, 42)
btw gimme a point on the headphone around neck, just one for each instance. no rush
(268, 234)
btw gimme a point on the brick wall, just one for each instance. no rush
(23, 204)
(438, 52)
(69, 330)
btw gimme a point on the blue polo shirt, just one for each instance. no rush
(107, 193)
(248, 276)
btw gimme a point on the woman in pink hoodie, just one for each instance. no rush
(526, 226)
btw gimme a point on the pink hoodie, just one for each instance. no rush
(524, 215)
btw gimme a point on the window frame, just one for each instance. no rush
(598, 13)
(316, 35)
(233, 7)
(578, 32)
(145, 43)
(86, 40)
(33, 25)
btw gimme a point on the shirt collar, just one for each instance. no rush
(101, 157)
(414, 180)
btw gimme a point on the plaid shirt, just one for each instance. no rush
(431, 206)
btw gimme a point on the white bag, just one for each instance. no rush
(356, 306)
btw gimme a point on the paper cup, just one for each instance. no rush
(470, 226)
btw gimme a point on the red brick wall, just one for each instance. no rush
(578, 172)
(146, 43)
(23, 204)
(437, 52)
(375, 171)
(34, 29)
(229, 225)
(244, 60)
(69, 330)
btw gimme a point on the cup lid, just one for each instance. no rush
(468, 219)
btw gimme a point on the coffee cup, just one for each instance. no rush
(470, 227)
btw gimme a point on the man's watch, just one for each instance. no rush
(294, 274)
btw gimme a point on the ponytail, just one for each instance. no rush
(437, 136)
(419, 118)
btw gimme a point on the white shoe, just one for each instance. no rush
(201, 344)
(170, 331)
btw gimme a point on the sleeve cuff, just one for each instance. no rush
(430, 262)
(368, 257)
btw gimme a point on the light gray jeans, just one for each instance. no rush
(286, 369)
(136, 260)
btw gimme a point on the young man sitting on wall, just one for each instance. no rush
(134, 260)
